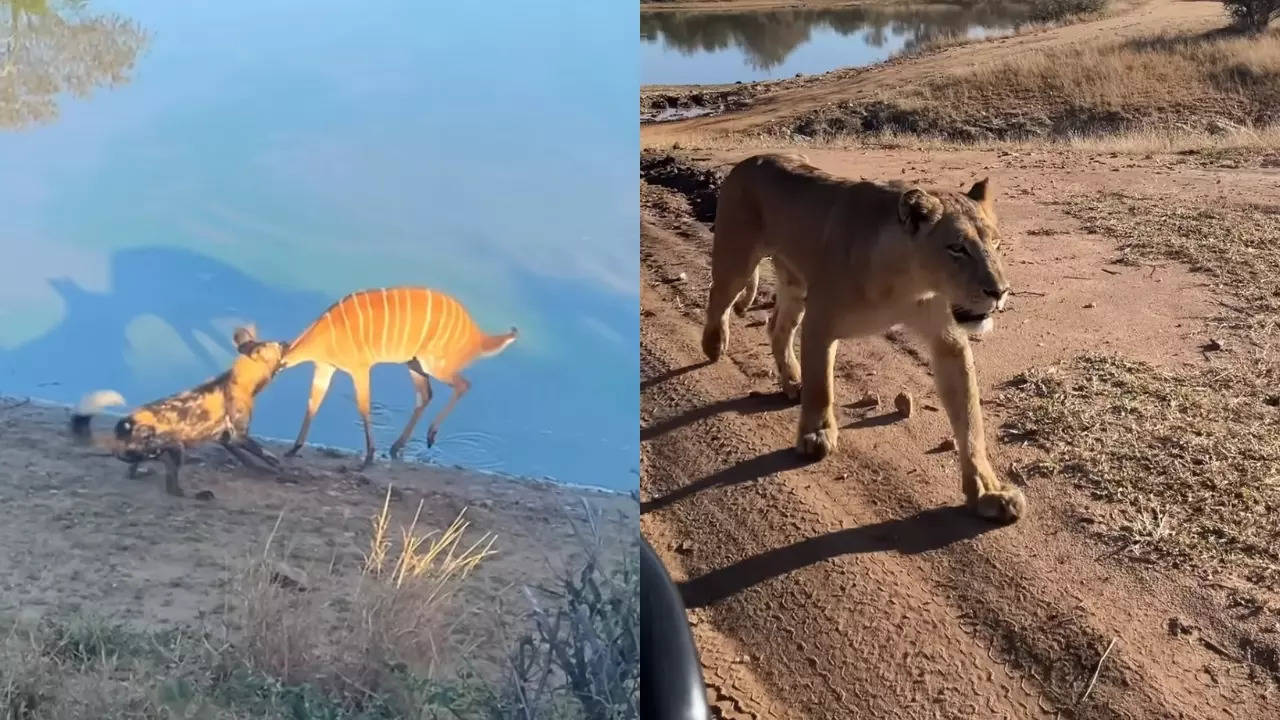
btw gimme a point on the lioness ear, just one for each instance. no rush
(916, 207)
(244, 335)
(981, 193)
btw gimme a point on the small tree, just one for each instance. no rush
(1252, 15)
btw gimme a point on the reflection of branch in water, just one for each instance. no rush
(768, 37)
(49, 47)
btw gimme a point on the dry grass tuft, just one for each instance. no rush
(366, 644)
(1189, 459)
(391, 621)
(1190, 463)
(1206, 84)
(1232, 242)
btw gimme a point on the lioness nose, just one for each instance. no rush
(996, 293)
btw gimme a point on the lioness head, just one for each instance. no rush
(959, 250)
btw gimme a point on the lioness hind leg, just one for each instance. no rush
(747, 297)
(957, 383)
(729, 276)
(788, 312)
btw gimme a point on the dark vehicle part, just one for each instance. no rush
(671, 685)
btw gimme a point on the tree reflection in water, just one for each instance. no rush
(768, 37)
(50, 47)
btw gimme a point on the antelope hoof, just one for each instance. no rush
(431, 437)
(293, 451)
(396, 447)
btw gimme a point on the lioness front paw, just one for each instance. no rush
(1005, 505)
(791, 388)
(817, 444)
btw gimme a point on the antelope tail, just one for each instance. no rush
(491, 345)
(90, 405)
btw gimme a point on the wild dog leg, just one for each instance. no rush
(132, 472)
(237, 453)
(259, 452)
(171, 456)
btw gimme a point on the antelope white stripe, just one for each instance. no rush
(342, 306)
(386, 320)
(406, 319)
(426, 324)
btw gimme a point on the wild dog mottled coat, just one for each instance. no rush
(218, 410)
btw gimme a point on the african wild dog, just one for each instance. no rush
(217, 410)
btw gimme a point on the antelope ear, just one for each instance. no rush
(917, 207)
(981, 193)
(244, 335)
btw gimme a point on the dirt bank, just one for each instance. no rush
(709, 5)
(82, 540)
(852, 587)
(1159, 64)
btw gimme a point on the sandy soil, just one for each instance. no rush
(855, 587)
(81, 539)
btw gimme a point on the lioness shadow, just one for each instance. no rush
(777, 461)
(926, 530)
(744, 405)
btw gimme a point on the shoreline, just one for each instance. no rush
(333, 451)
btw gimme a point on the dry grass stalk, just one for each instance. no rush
(1196, 84)
(351, 631)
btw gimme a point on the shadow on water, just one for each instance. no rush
(191, 303)
(187, 292)
(767, 38)
(54, 47)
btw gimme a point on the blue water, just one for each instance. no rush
(256, 161)
(704, 48)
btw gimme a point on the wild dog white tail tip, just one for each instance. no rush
(98, 400)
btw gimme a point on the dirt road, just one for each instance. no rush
(856, 587)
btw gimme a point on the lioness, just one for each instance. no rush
(855, 258)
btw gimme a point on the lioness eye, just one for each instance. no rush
(958, 250)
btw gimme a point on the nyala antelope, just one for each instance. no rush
(218, 410)
(426, 329)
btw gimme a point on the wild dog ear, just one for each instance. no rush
(981, 193)
(243, 335)
(917, 207)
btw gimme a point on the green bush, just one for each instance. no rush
(1055, 10)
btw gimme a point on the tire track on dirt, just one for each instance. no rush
(863, 616)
